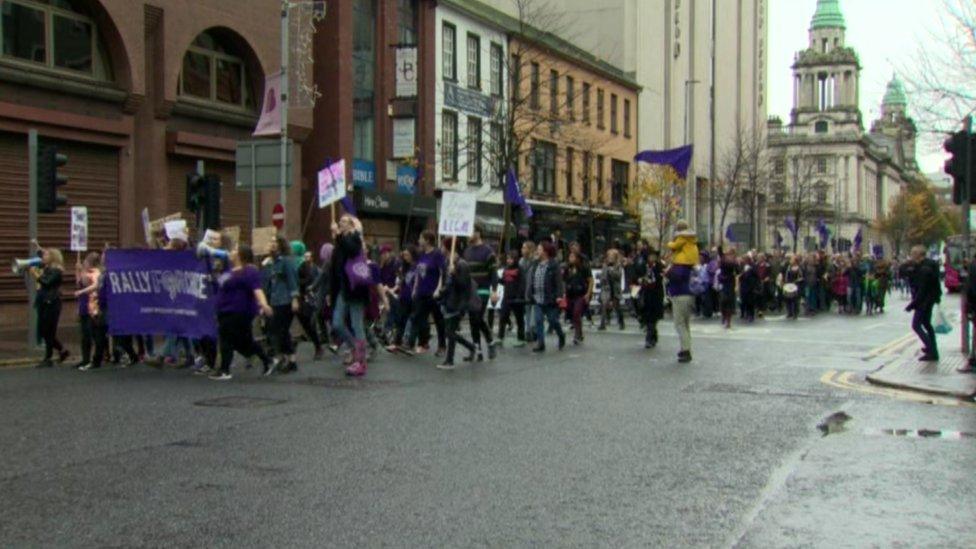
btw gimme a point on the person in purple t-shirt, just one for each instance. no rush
(431, 265)
(239, 299)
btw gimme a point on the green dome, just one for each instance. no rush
(828, 15)
(896, 93)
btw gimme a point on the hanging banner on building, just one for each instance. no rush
(403, 137)
(457, 214)
(159, 292)
(406, 178)
(363, 174)
(406, 72)
(79, 229)
(468, 100)
(332, 183)
(270, 122)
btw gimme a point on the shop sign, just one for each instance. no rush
(469, 101)
(403, 137)
(363, 174)
(406, 72)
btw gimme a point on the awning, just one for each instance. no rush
(575, 207)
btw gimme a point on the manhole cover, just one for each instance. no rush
(350, 383)
(238, 402)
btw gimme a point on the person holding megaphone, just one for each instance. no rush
(47, 301)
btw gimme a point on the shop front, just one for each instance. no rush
(392, 218)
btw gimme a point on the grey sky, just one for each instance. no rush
(886, 35)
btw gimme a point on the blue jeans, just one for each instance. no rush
(813, 293)
(543, 313)
(354, 312)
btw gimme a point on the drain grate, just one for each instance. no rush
(351, 383)
(238, 402)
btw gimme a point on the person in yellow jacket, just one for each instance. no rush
(684, 247)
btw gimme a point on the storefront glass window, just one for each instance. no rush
(406, 22)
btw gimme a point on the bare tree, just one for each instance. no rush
(799, 196)
(731, 173)
(757, 171)
(942, 75)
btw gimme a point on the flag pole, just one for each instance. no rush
(453, 248)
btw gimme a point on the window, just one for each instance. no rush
(496, 69)
(779, 193)
(544, 168)
(820, 126)
(498, 152)
(599, 179)
(364, 85)
(570, 154)
(779, 166)
(571, 98)
(554, 92)
(613, 113)
(516, 82)
(406, 22)
(53, 34)
(626, 117)
(586, 102)
(599, 109)
(449, 52)
(821, 165)
(474, 150)
(620, 171)
(822, 192)
(211, 72)
(474, 62)
(449, 148)
(586, 176)
(534, 87)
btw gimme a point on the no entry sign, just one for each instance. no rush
(278, 216)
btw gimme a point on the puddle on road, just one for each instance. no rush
(921, 433)
(238, 402)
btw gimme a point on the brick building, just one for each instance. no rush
(135, 93)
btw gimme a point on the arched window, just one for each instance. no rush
(58, 34)
(214, 70)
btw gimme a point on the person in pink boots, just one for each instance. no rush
(350, 289)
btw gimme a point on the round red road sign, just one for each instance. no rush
(278, 216)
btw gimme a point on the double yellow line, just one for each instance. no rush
(892, 347)
(852, 382)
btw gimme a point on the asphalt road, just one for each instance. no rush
(602, 445)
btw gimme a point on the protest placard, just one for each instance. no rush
(457, 214)
(332, 183)
(261, 238)
(79, 229)
(233, 233)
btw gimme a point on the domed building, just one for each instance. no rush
(827, 170)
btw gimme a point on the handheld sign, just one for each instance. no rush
(79, 229)
(457, 214)
(332, 183)
(261, 238)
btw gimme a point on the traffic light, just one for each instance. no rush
(211, 202)
(960, 148)
(48, 179)
(194, 192)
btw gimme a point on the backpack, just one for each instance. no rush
(699, 283)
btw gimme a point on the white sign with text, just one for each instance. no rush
(332, 183)
(79, 229)
(457, 214)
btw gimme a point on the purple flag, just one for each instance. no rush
(513, 193)
(878, 250)
(777, 238)
(729, 235)
(679, 158)
(791, 225)
(858, 239)
(159, 292)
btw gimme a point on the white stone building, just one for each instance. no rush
(845, 176)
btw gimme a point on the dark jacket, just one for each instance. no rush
(513, 280)
(457, 290)
(928, 291)
(553, 288)
(48, 288)
(347, 247)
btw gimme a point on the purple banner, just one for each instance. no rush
(159, 292)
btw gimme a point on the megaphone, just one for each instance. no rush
(18, 266)
(204, 249)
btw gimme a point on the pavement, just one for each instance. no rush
(606, 444)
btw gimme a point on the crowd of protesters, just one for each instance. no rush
(353, 300)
